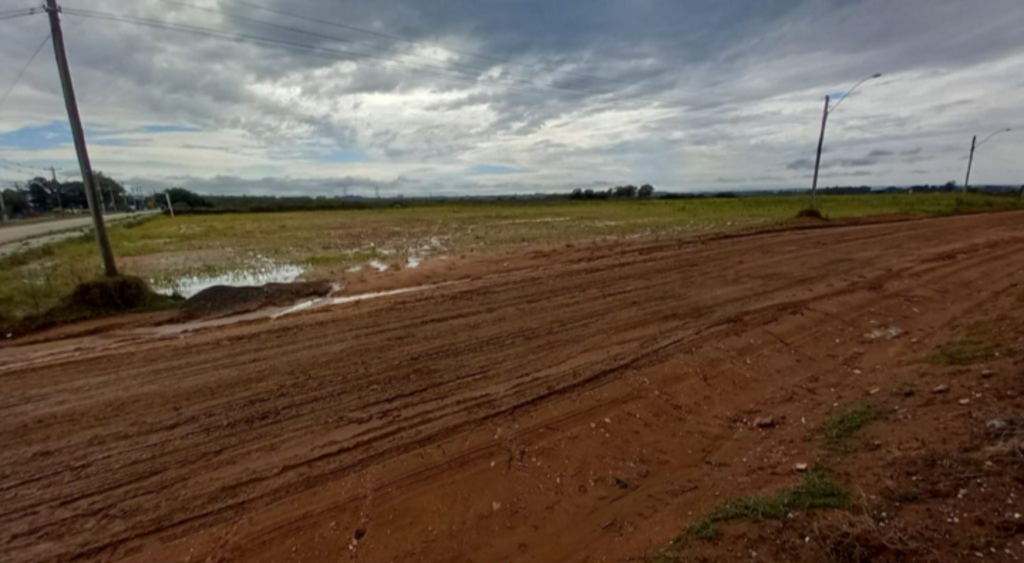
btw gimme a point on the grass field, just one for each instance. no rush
(328, 243)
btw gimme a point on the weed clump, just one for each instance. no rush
(976, 346)
(96, 299)
(120, 293)
(816, 491)
(810, 213)
(841, 428)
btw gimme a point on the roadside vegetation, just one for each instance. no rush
(816, 491)
(976, 343)
(326, 244)
(95, 299)
(840, 429)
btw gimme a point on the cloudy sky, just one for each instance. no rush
(516, 96)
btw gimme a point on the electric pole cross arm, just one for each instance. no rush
(78, 133)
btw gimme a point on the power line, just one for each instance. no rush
(465, 73)
(323, 52)
(11, 14)
(499, 60)
(473, 69)
(23, 69)
(21, 166)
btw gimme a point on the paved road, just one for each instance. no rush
(13, 233)
(20, 237)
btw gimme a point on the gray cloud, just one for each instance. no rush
(873, 158)
(678, 91)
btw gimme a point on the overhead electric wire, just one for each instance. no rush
(11, 14)
(331, 54)
(294, 46)
(549, 68)
(21, 167)
(23, 69)
(473, 69)
(470, 72)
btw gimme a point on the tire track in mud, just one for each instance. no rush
(193, 436)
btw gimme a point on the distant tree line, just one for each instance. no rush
(42, 195)
(619, 192)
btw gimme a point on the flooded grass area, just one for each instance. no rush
(256, 272)
(190, 252)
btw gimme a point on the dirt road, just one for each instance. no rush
(584, 408)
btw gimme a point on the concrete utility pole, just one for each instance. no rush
(975, 145)
(170, 207)
(817, 161)
(75, 120)
(821, 138)
(970, 162)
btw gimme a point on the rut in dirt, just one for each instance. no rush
(180, 435)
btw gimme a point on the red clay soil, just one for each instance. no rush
(589, 407)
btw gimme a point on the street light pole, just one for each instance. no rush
(975, 145)
(821, 138)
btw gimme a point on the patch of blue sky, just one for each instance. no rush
(344, 155)
(56, 134)
(491, 169)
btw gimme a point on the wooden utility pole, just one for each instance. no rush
(3, 208)
(95, 200)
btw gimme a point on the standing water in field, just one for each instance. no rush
(260, 272)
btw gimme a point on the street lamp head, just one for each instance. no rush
(878, 75)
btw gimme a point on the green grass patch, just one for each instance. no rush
(96, 299)
(329, 242)
(841, 428)
(978, 343)
(817, 491)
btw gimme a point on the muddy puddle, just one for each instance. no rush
(273, 313)
(48, 351)
(262, 272)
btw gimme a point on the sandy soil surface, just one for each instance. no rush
(586, 404)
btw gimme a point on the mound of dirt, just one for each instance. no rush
(95, 300)
(122, 293)
(222, 300)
